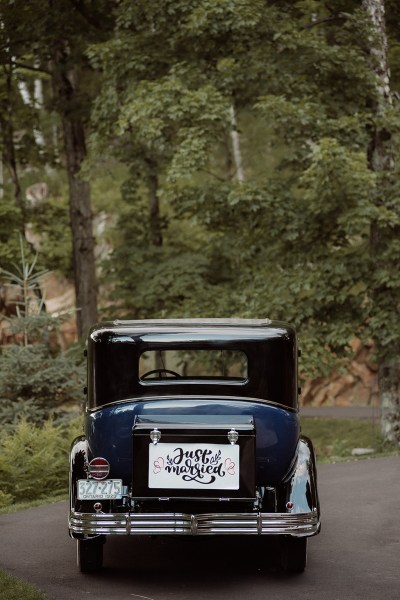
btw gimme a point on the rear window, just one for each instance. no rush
(193, 364)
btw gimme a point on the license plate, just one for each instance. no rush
(194, 466)
(110, 489)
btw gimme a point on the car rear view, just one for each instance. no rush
(192, 428)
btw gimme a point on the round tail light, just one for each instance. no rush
(99, 468)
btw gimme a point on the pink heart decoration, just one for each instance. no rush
(230, 466)
(158, 465)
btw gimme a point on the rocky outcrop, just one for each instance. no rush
(356, 384)
(59, 297)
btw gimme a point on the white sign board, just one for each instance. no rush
(194, 466)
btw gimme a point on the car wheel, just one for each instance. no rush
(293, 554)
(90, 554)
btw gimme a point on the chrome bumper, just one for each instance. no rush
(301, 524)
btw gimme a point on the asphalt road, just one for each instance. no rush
(356, 556)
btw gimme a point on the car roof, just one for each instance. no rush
(232, 322)
(232, 327)
(190, 323)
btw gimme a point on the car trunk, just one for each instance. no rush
(119, 431)
(194, 456)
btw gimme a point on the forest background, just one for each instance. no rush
(186, 158)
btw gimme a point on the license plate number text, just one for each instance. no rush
(110, 489)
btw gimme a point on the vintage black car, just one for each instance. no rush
(192, 428)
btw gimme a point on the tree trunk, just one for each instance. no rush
(154, 207)
(228, 156)
(9, 157)
(81, 225)
(237, 154)
(380, 160)
(65, 84)
(1, 178)
(389, 392)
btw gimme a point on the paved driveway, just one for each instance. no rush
(357, 555)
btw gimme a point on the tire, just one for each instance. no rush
(293, 554)
(90, 555)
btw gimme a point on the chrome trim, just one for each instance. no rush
(209, 398)
(196, 498)
(259, 523)
(233, 436)
(193, 525)
(146, 426)
(190, 323)
(155, 436)
(300, 524)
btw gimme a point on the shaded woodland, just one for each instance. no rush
(186, 158)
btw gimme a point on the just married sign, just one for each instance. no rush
(194, 466)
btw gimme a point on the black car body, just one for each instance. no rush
(192, 428)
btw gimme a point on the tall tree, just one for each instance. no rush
(386, 291)
(9, 158)
(66, 86)
(15, 117)
(343, 222)
(52, 37)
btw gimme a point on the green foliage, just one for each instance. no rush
(5, 499)
(162, 278)
(35, 378)
(50, 222)
(34, 459)
(10, 220)
(36, 383)
(12, 588)
(293, 241)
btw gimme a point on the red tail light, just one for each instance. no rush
(99, 468)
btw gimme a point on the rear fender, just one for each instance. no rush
(299, 493)
(78, 467)
(78, 470)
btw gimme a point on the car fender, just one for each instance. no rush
(298, 493)
(78, 466)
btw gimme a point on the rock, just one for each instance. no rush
(32, 237)
(37, 193)
(356, 385)
(362, 371)
(59, 295)
(362, 451)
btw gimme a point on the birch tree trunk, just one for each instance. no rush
(237, 154)
(380, 160)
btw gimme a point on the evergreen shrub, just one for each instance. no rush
(38, 383)
(37, 379)
(34, 460)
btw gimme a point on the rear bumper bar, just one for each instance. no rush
(301, 524)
